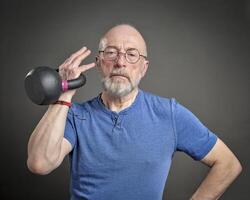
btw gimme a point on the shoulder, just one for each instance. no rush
(160, 104)
(156, 99)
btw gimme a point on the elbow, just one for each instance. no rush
(37, 167)
(238, 167)
(235, 167)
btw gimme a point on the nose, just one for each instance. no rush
(121, 60)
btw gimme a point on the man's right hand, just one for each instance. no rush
(70, 69)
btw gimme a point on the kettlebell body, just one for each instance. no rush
(43, 85)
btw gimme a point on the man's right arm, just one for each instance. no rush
(47, 146)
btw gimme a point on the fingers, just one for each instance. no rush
(70, 68)
(76, 58)
(79, 58)
(75, 55)
(84, 68)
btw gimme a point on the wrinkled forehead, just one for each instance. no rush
(123, 41)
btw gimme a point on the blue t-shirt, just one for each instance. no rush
(127, 155)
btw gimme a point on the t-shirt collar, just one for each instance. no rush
(102, 106)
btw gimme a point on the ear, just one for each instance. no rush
(145, 68)
(97, 61)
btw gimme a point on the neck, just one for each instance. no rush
(118, 103)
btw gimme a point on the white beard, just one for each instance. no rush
(119, 88)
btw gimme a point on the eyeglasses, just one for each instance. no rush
(132, 55)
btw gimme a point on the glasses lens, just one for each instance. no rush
(110, 53)
(132, 55)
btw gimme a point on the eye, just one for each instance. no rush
(131, 54)
(110, 52)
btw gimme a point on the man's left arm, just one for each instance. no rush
(225, 167)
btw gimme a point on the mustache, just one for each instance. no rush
(119, 72)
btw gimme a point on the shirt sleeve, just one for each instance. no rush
(192, 137)
(69, 131)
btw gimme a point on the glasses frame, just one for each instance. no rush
(125, 54)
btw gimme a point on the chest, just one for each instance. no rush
(119, 140)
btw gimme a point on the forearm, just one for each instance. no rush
(44, 145)
(220, 176)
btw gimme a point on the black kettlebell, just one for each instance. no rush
(43, 85)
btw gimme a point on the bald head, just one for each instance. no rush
(124, 35)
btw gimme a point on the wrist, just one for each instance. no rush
(65, 103)
(65, 97)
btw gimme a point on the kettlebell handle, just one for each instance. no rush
(73, 83)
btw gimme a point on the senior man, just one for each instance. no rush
(121, 143)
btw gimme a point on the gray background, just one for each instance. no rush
(198, 52)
